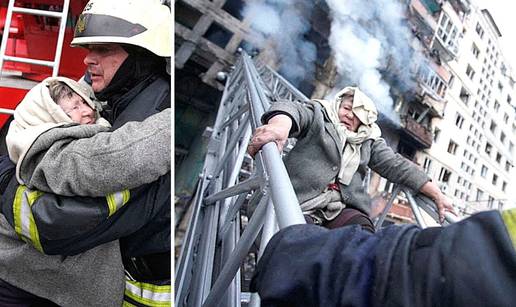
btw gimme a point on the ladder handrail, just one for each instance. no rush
(6, 111)
(63, 16)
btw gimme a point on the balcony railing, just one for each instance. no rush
(418, 132)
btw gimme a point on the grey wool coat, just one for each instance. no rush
(315, 160)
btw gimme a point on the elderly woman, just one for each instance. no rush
(336, 142)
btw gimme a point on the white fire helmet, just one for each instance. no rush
(143, 23)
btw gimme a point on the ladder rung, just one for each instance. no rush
(37, 12)
(6, 111)
(29, 61)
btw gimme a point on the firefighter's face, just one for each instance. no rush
(103, 61)
(77, 109)
(346, 115)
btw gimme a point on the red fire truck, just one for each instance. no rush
(36, 36)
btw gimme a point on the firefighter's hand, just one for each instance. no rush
(276, 130)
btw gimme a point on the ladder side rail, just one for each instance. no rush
(5, 36)
(6, 111)
(232, 143)
(60, 37)
(284, 198)
(204, 271)
(203, 268)
(395, 191)
(193, 262)
(228, 243)
(232, 180)
(244, 244)
(230, 238)
(429, 206)
(270, 227)
(183, 275)
(415, 208)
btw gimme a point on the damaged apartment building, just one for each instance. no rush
(433, 115)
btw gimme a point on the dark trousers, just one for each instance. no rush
(10, 296)
(348, 216)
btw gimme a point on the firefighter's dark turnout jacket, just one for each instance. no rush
(469, 263)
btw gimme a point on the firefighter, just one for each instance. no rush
(468, 263)
(126, 66)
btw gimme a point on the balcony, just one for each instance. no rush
(433, 6)
(429, 98)
(447, 50)
(420, 134)
(461, 7)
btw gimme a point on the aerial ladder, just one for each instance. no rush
(54, 65)
(208, 271)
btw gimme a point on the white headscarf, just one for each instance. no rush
(37, 113)
(363, 108)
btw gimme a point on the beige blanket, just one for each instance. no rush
(37, 113)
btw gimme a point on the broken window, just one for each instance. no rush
(218, 35)
(234, 7)
(186, 15)
(433, 80)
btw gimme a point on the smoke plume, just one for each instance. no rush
(368, 37)
(284, 22)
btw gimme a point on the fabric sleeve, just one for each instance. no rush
(394, 167)
(301, 114)
(63, 225)
(64, 163)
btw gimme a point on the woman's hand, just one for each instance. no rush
(276, 130)
(442, 202)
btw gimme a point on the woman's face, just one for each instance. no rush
(77, 109)
(346, 115)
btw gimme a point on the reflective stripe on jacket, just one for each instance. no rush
(27, 200)
(147, 294)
